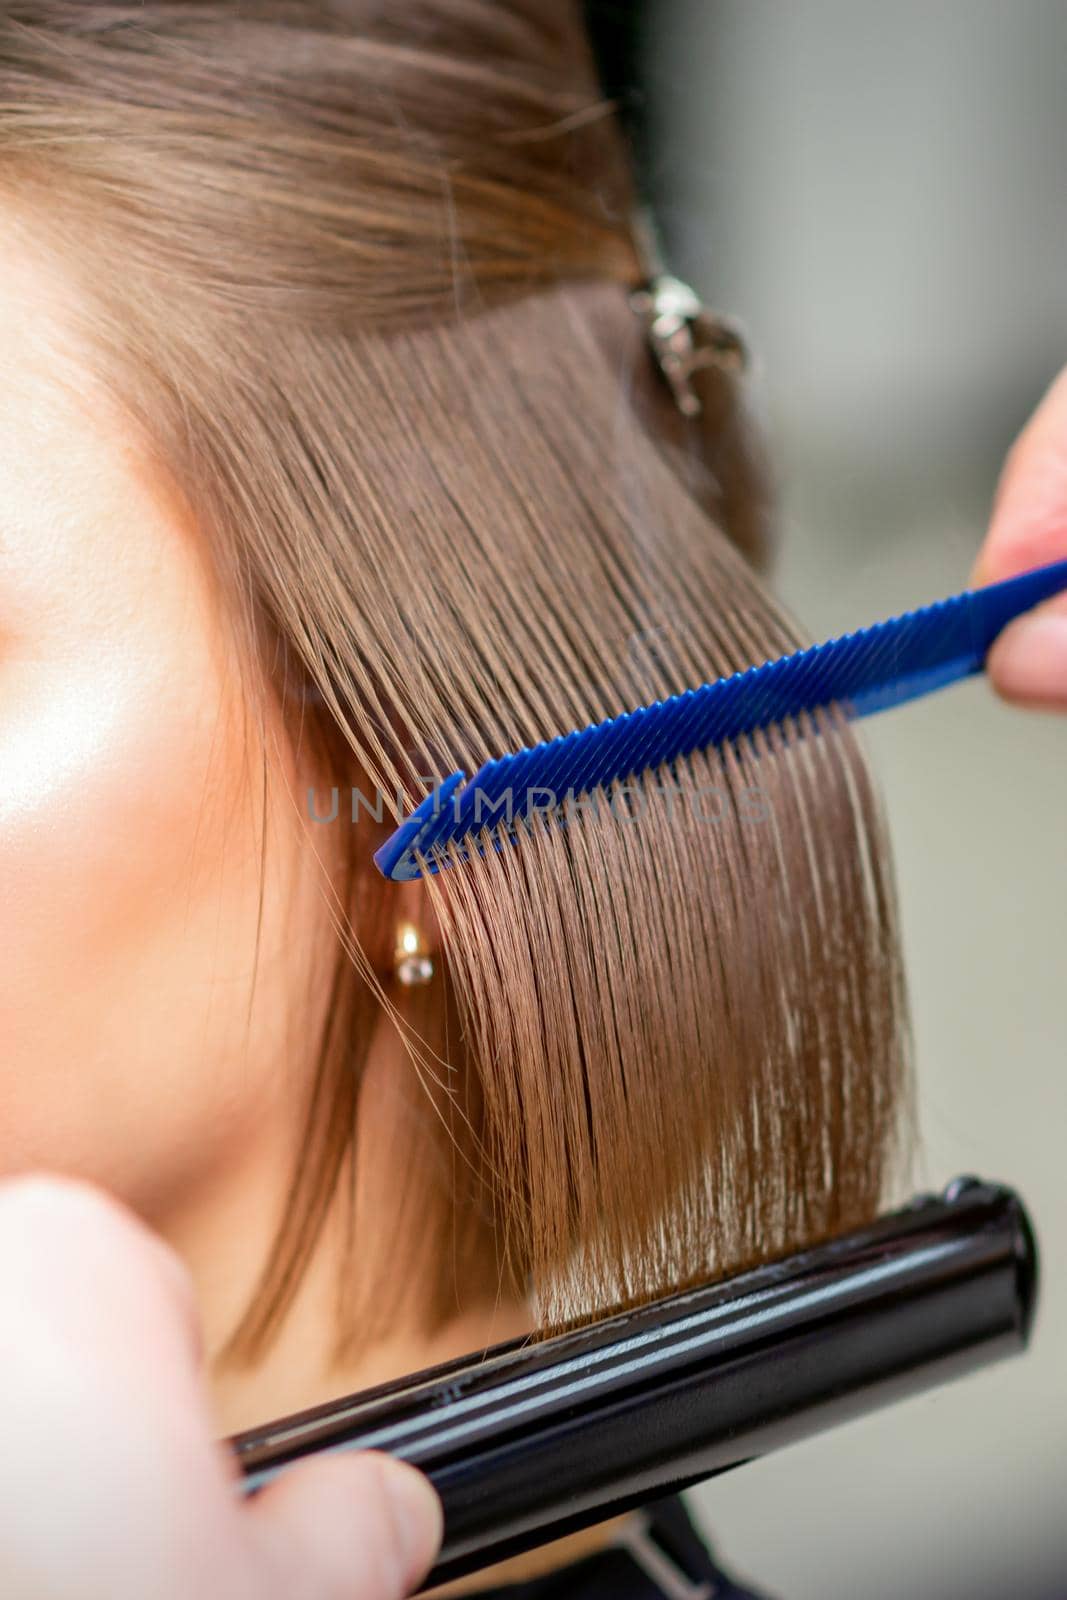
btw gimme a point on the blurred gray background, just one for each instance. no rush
(879, 193)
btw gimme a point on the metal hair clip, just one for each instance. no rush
(682, 333)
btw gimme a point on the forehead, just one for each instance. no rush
(69, 479)
(92, 560)
(37, 309)
(47, 402)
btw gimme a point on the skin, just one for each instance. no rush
(1028, 663)
(119, 1415)
(138, 1052)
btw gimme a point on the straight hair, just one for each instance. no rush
(358, 275)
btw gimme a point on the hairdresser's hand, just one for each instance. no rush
(112, 1485)
(1028, 663)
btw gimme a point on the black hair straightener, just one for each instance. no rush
(527, 1441)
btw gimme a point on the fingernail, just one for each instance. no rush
(417, 1517)
(1029, 661)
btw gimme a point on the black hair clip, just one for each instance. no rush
(528, 1442)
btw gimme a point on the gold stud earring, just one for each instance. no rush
(412, 964)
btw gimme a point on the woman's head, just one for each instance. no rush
(354, 473)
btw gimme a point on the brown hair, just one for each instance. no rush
(358, 274)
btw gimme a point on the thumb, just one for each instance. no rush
(1028, 528)
(345, 1527)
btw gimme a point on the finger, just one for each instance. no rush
(1028, 528)
(358, 1527)
(93, 1296)
(1028, 663)
(83, 1260)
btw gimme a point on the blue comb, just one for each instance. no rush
(862, 672)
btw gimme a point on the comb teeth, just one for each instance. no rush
(860, 673)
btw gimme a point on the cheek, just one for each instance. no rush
(131, 918)
(129, 866)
